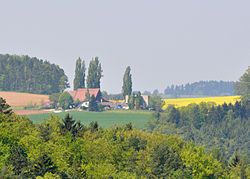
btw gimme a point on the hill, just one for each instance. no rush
(23, 99)
(30, 75)
(200, 89)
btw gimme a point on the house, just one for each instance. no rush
(80, 94)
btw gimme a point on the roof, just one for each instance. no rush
(81, 93)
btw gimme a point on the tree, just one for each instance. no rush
(127, 83)
(79, 80)
(65, 100)
(138, 100)
(63, 83)
(94, 74)
(156, 102)
(4, 107)
(242, 87)
(18, 159)
(43, 165)
(131, 101)
(93, 104)
(54, 97)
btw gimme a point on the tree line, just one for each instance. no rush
(65, 148)
(31, 75)
(201, 88)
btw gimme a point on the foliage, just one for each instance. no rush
(31, 75)
(138, 101)
(242, 87)
(65, 100)
(225, 127)
(54, 98)
(4, 107)
(131, 101)
(93, 106)
(92, 152)
(201, 88)
(79, 80)
(156, 102)
(94, 74)
(127, 83)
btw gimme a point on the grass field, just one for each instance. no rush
(186, 101)
(23, 99)
(104, 119)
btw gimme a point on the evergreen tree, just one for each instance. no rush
(79, 80)
(94, 74)
(18, 159)
(43, 165)
(127, 82)
(242, 87)
(93, 104)
(4, 107)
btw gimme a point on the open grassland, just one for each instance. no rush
(23, 99)
(186, 101)
(104, 119)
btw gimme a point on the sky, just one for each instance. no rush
(164, 42)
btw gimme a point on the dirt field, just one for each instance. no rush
(23, 99)
(28, 112)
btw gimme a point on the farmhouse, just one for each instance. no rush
(81, 94)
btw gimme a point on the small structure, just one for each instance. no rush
(80, 94)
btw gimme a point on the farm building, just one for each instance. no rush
(81, 94)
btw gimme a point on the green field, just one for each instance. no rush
(104, 119)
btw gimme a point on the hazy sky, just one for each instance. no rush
(164, 41)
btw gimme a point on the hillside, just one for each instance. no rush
(201, 89)
(23, 99)
(30, 75)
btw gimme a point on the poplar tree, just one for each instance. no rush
(79, 80)
(94, 74)
(127, 83)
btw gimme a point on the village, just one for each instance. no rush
(82, 95)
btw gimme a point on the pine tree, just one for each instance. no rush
(127, 82)
(94, 74)
(4, 107)
(79, 80)
(93, 104)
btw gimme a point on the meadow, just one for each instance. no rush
(104, 119)
(186, 101)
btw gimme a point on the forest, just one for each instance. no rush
(31, 75)
(201, 88)
(223, 127)
(64, 148)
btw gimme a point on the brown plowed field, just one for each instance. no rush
(28, 112)
(23, 99)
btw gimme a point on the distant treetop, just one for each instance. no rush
(201, 88)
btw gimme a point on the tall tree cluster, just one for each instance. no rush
(127, 82)
(79, 80)
(31, 75)
(94, 74)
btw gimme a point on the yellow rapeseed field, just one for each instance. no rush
(186, 101)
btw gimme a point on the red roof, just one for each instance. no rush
(81, 93)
